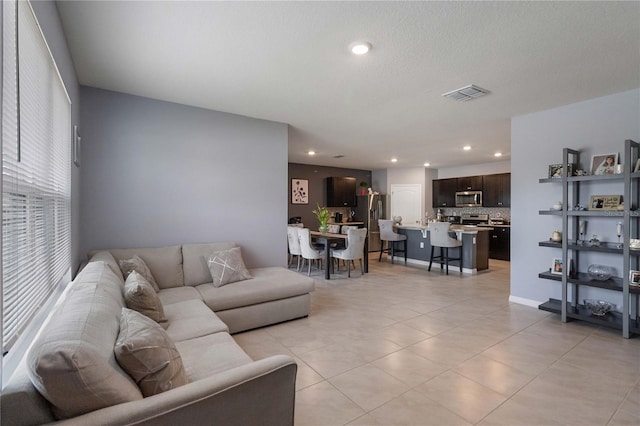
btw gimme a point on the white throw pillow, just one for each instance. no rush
(138, 265)
(226, 266)
(141, 297)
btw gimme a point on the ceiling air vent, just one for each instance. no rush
(466, 93)
(338, 156)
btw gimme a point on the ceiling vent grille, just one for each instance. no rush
(338, 156)
(466, 93)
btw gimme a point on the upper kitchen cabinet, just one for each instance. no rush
(341, 192)
(444, 192)
(469, 183)
(496, 190)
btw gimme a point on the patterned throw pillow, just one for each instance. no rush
(147, 354)
(226, 266)
(138, 265)
(141, 297)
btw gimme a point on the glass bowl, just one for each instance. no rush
(599, 308)
(600, 272)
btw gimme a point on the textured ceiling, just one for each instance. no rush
(289, 62)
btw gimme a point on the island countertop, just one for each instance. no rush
(464, 229)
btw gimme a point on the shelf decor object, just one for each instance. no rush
(569, 269)
(600, 272)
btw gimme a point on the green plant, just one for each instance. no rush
(322, 213)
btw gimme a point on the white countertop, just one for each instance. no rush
(463, 229)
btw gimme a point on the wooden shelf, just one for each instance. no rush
(602, 248)
(595, 178)
(582, 278)
(581, 312)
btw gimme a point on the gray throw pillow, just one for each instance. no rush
(138, 265)
(226, 266)
(147, 354)
(141, 297)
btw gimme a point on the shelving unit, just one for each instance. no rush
(573, 279)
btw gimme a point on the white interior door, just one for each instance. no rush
(406, 201)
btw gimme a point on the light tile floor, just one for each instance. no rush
(403, 346)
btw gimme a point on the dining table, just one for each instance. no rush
(327, 238)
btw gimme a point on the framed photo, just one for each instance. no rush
(605, 202)
(634, 278)
(77, 146)
(555, 170)
(604, 164)
(557, 265)
(299, 191)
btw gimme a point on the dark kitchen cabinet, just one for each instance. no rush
(341, 192)
(496, 190)
(500, 243)
(469, 183)
(444, 192)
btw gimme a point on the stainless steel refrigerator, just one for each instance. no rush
(369, 210)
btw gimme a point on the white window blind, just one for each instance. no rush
(36, 172)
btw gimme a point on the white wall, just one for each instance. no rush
(595, 126)
(475, 170)
(157, 173)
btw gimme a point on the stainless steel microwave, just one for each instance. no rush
(469, 199)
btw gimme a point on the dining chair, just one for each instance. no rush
(308, 252)
(294, 245)
(354, 249)
(439, 237)
(387, 234)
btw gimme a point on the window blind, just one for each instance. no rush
(36, 172)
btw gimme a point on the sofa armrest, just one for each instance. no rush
(262, 392)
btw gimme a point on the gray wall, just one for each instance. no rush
(596, 126)
(316, 175)
(49, 21)
(157, 173)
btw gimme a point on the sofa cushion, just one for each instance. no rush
(227, 266)
(106, 257)
(270, 283)
(136, 264)
(72, 363)
(211, 354)
(145, 351)
(190, 319)
(141, 297)
(195, 257)
(165, 263)
(178, 294)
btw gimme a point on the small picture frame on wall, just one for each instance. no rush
(555, 170)
(299, 191)
(634, 278)
(557, 265)
(77, 146)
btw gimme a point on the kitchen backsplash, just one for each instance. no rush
(491, 211)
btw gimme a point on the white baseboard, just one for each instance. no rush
(435, 265)
(525, 302)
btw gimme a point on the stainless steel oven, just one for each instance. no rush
(469, 199)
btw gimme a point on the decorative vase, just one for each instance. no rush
(323, 229)
(600, 272)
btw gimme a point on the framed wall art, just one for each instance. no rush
(299, 191)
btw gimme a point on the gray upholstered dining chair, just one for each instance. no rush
(308, 252)
(354, 249)
(439, 237)
(387, 234)
(294, 245)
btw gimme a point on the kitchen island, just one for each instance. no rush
(475, 246)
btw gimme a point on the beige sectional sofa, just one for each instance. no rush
(71, 375)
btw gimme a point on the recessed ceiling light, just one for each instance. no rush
(394, 160)
(427, 164)
(467, 147)
(497, 154)
(360, 47)
(311, 153)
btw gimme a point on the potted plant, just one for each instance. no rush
(322, 213)
(363, 188)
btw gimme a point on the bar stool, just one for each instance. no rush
(439, 237)
(387, 234)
